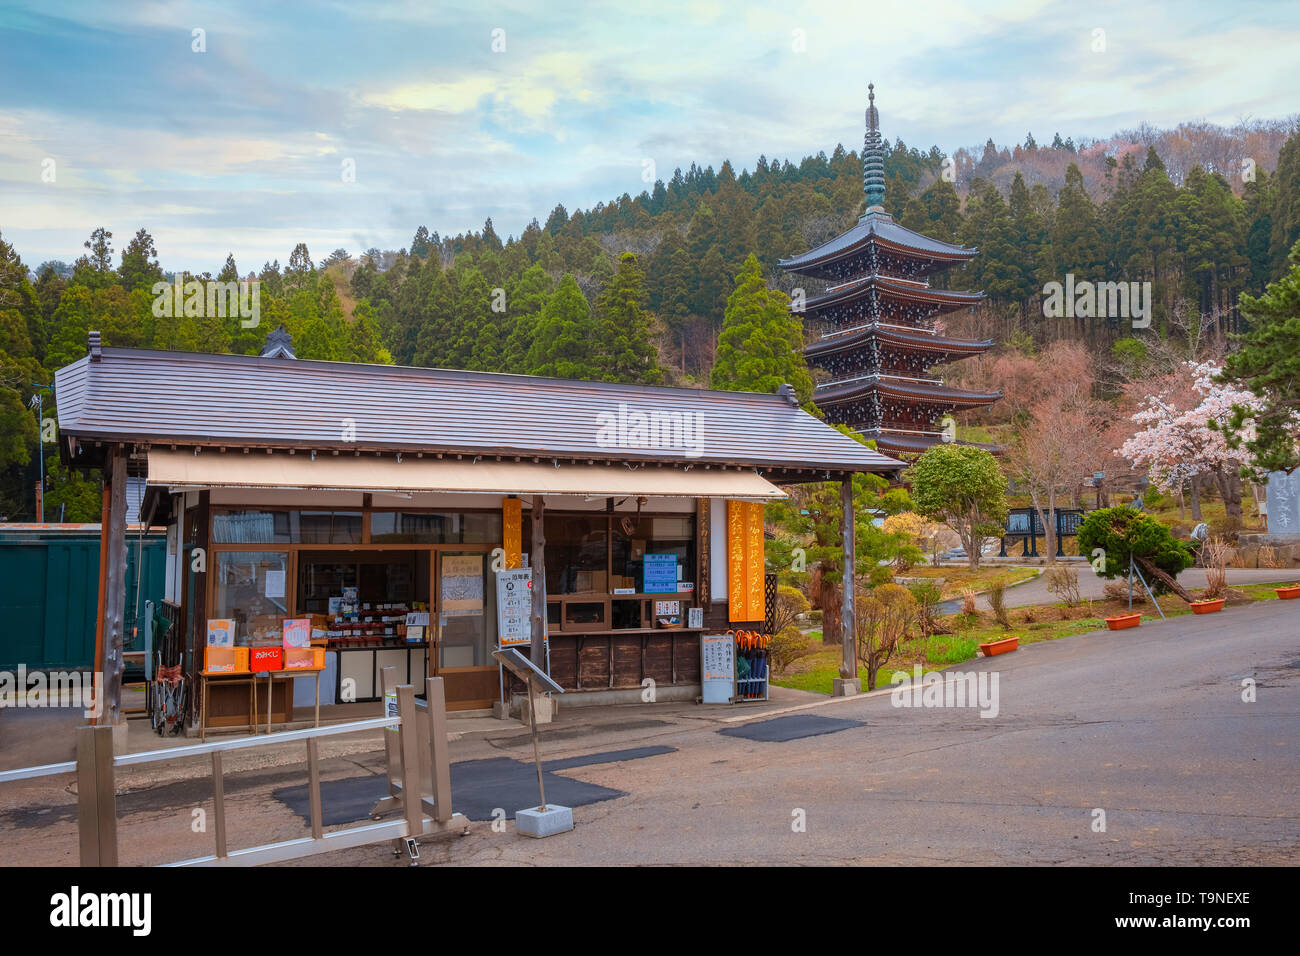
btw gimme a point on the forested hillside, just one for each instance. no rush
(637, 289)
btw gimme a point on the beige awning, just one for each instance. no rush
(214, 469)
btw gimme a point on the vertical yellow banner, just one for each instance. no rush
(512, 522)
(745, 598)
(736, 511)
(754, 563)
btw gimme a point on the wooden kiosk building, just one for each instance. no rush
(284, 482)
(873, 331)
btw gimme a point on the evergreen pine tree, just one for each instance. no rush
(761, 345)
(561, 347)
(623, 349)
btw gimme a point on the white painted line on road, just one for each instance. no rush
(816, 703)
(878, 692)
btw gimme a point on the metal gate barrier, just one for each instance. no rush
(416, 759)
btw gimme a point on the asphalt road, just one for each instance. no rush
(1147, 725)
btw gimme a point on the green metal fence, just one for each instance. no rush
(49, 595)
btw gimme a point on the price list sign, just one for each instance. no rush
(514, 606)
(718, 667)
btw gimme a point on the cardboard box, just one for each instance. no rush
(225, 660)
(304, 658)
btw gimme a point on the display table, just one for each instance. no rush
(225, 677)
(313, 672)
(251, 678)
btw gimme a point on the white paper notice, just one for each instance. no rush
(275, 584)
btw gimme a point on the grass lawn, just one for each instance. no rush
(812, 672)
(1045, 622)
(1262, 592)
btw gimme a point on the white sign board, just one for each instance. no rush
(390, 708)
(717, 668)
(1284, 503)
(514, 606)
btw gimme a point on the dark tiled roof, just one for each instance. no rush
(903, 444)
(899, 288)
(186, 398)
(902, 388)
(871, 226)
(904, 338)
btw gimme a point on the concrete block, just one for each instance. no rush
(536, 822)
(547, 708)
(500, 710)
(846, 686)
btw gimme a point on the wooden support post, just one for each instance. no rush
(848, 615)
(537, 559)
(98, 676)
(197, 616)
(439, 755)
(96, 796)
(113, 587)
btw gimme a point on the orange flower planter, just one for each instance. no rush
(1121, 621)
(1207, 607)
(1004, 646)
(1286, 594)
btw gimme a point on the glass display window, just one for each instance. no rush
(466, 609)
(251, 588)
(633, 537)
(577, 554)
(251, 527)
(329, 527)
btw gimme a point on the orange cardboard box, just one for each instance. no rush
(225, 660)
(304, 658)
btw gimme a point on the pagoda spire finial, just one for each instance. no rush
(873, 156)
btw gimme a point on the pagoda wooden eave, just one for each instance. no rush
(926, 393)
(881, 230)
(889, 287)
(904, 339)
(904, 443)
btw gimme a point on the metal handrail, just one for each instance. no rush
(421, 789)
(243, 743)
(44, 770)
(198, 750)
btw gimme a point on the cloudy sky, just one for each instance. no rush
(239, 138)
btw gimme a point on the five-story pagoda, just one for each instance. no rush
(873, 330)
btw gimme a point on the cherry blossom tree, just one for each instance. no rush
(1051, 454)
(1176, 442)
